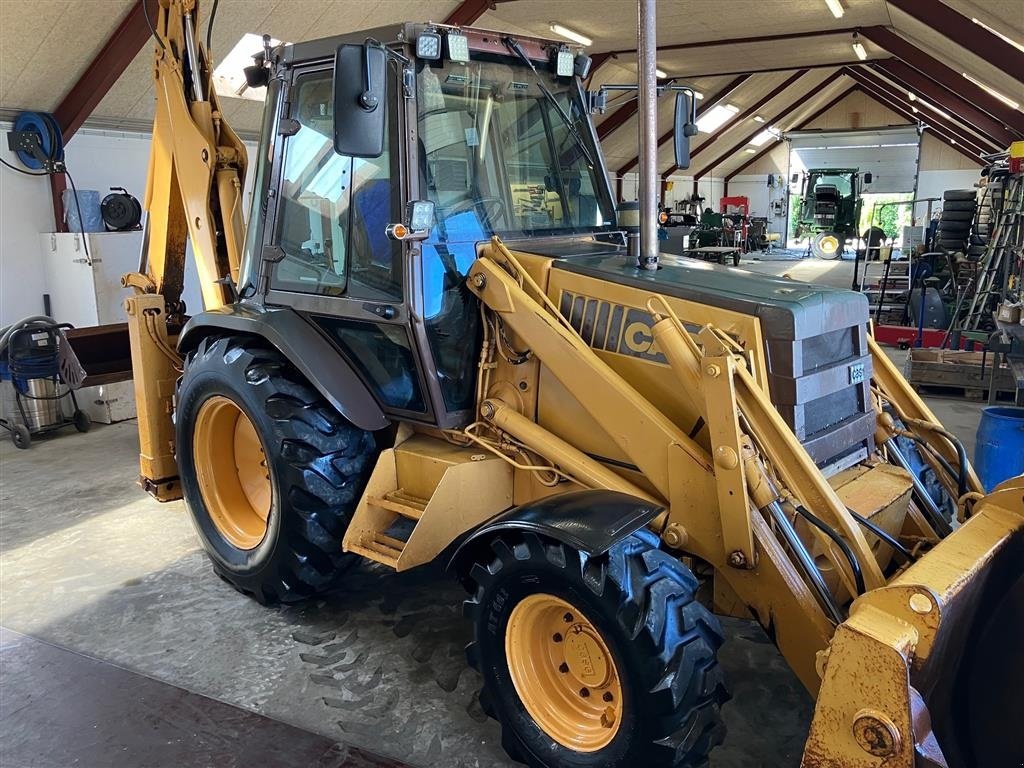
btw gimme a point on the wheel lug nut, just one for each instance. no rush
(557, 637)
(563, 668)
(607, 696)
(584, 692)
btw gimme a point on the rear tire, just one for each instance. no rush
(661, 643)
(316, 461)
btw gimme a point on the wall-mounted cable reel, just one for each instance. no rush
(121, 211)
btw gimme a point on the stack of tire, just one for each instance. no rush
(989, 198)
(958, 209)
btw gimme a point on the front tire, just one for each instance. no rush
(595, 661)
(827, 245)
(270, 471)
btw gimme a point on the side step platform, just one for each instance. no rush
(422, 495)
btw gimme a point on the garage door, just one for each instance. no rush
(890, 154)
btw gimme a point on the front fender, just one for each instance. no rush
(304, 348)
(590, 521)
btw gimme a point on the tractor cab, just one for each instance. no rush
(386, 164)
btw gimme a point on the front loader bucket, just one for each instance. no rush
(928, 670)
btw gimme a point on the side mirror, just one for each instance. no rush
(360, 103)
(684, 127)
(867, 177)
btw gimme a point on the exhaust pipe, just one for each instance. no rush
(648, 128)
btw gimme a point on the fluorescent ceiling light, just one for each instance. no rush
(935, 109)
(1005, 99)
(570, 34)
(660, 73)
(858, 48)
(758, 119)
(952, 141)
(750, 151)
(911, 95)
(229, 77)
(998, 34)
(915, 110)
(765, 136)
(836, 7)
(698, 95)
(715, 118)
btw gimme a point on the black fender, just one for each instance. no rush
(303, 346)
(591, 521)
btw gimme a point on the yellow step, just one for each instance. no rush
(399, 503)
(381, 548)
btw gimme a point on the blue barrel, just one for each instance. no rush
(999, 452)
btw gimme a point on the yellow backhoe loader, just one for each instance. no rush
(434, 343)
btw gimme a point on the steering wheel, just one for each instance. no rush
(491, 206)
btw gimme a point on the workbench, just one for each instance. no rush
(719, 253)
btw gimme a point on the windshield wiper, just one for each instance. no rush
(570, 124)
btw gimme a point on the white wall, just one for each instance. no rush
(25, 211)
(97, 160)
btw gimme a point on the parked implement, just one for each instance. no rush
(430, 343)
(829, 209)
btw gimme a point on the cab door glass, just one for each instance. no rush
(314, 198)
(333, 210)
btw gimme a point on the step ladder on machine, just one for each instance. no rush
(422, 494)
(1006, 243)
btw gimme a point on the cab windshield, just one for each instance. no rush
(494, 146)
(843, 182)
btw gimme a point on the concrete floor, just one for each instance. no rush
(90, 563)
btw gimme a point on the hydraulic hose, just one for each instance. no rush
(805, 562)
(883, 535)
(817, 522)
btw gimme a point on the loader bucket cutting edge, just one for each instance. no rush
(927, 671)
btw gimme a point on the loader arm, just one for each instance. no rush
(885, 668)
(194, 193)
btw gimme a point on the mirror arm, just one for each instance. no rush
(368, 99)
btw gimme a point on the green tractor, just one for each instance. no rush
(829, 209)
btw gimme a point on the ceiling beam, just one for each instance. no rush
(957, 142)
(468, 12)
(948, 78)
(109, 64)
(767, 70)
(965, 33)
(874, 84)
(95, 82)
(708, 103)
(913, 80)
(746, 114)
(781, 116)
(618, 118)
(774, 142)
(597, 60)
(747, 40)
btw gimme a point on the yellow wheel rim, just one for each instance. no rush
(828, 244)
(564, 673)
(232, 472)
